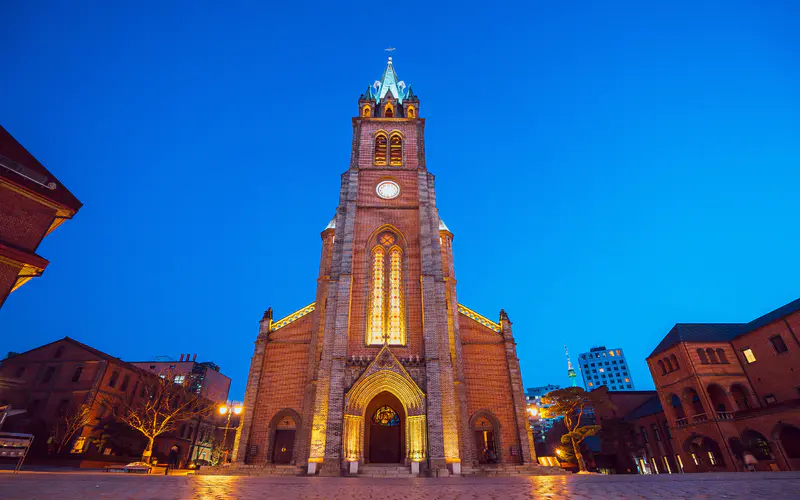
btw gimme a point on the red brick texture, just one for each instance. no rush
(309, 365)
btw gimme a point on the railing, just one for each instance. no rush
(700, 417)
(724, 415)
(681, 422)
(466, 311)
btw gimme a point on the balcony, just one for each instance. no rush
(724, 415)
(681, 422)
(699, 418)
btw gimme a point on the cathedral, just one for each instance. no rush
(385, 366)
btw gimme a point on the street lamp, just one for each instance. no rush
(228, 409)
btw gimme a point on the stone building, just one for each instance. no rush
(385, 365)
(732, 388)
(32, 204)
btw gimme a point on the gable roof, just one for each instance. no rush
(24, 170)
(720, 332)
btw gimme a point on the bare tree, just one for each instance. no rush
(70, 420)
(570, 403)
(159, 407)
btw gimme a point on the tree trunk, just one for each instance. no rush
(576, 447)
(148, 451)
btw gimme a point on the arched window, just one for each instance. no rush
(396, 150)
(388, 111)
(661, 365)
(722, 357)
(380, 149)
(675, 361)
(712, 356)
(387, 313)
(412, 113)
(375, 333)
(668, 364)
(703, 357)
(366, 111)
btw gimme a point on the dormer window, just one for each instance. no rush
(388, 111)
(412, 113)
(366, 111)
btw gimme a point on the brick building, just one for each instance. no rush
(385, 365)
(205, 377)
(58, 377)
(732, 388)
(32, 204)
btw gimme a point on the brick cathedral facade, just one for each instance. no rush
(385, 366)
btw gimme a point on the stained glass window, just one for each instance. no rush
(396, 333)
(385, 415)
(376, 315)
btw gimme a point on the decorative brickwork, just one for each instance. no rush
(323, 362)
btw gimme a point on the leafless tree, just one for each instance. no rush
(70, 420)
(159, 406)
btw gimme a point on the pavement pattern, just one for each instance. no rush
(99, 485)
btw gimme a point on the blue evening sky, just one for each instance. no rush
(608, 168)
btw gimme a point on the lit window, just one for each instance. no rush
(366, 111)
(396, 330)
(712, 458)
(591, 384)
(610, 353)
(655, 465)
(619, 352)
(680, 462)
(748, 355)
(376, 316)
(627, 380)
(396, 150)
(601, 370)
(380, 149)
(179, 379)
(695, 460)
(666, 465)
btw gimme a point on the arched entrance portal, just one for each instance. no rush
(486, 431)
(384, 430)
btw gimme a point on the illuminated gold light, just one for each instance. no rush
(396, 320)
(375, 332)
(293, 317)
(380, 149)
(396, 150)
(477, 317)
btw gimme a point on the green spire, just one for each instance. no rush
(389, 82)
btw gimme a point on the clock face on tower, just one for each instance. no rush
(387, 190)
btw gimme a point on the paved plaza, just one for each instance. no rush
(89, 485)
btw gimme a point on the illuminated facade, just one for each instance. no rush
(386, 366)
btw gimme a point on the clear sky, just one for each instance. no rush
(608, 168)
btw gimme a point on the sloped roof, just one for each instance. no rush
(721, 332)
(443, 226)
(649, 407)
(699, 332)
(389, 83)
(25, 170)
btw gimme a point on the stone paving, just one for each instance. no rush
(91, 485)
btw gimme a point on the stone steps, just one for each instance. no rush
(384, 471)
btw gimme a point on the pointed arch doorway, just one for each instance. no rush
(385, 430)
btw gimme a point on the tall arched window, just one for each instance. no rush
(668, 363)
(661, 365)
(411, 113)
(388, 111)
(712, 356)
(387, 314)
(674, 361)
(722, 358)
(366, 111)
(380, 149)
(375, 333)
(703, 357)
(396, 150)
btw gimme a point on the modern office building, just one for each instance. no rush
(605, 367)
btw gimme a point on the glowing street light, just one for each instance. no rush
(227, 409)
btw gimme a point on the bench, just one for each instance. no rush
(15, 445)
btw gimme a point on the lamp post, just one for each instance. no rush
(228, 409)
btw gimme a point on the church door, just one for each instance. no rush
(284, 446)
(384, 438)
